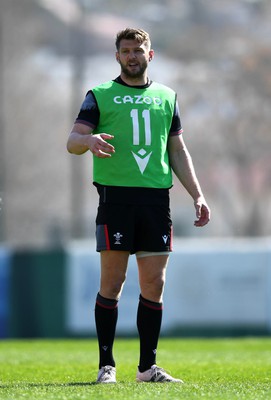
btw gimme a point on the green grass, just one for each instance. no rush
(67, 369)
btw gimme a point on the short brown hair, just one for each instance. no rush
(133, 34)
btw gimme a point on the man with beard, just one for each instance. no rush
(132, 126)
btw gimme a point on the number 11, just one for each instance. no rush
(147, 123)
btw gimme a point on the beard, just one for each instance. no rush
(134, 74)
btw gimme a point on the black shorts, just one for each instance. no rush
(134, 227)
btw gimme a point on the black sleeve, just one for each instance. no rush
(176, 125)
(89, 113)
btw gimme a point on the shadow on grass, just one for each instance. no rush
(18, 385)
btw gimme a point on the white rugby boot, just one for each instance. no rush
(107, 374)
(156, 374)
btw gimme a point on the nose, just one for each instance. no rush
(131, 55)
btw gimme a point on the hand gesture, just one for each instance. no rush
(99, 146)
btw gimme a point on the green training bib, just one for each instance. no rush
(140, 121)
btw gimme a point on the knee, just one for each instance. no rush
(116, 289)
(158, 283)
(112, 288)
(153, 289)
(159, 286)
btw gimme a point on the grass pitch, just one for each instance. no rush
(67, 369)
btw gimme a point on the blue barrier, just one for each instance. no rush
(4, 291)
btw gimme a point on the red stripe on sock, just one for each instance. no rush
(107, 307)
(152, 306)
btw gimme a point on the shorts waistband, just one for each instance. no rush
(132, 195)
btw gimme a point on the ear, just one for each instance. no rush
(151, 54)
(117, 57)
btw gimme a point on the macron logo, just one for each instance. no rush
(142, 159)
(165, 238)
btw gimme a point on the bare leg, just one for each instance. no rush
(113, 273)
(152, 275)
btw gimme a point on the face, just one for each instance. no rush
(133, 58)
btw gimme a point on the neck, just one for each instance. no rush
(137, 81)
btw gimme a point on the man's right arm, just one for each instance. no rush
(81, 140)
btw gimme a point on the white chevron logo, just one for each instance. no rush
(142, 159)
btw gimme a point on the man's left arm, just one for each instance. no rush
(182, 165)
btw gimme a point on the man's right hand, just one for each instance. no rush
(81, 139)
(98, 145)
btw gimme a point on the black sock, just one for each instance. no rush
(106, 315)
(149, 318)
